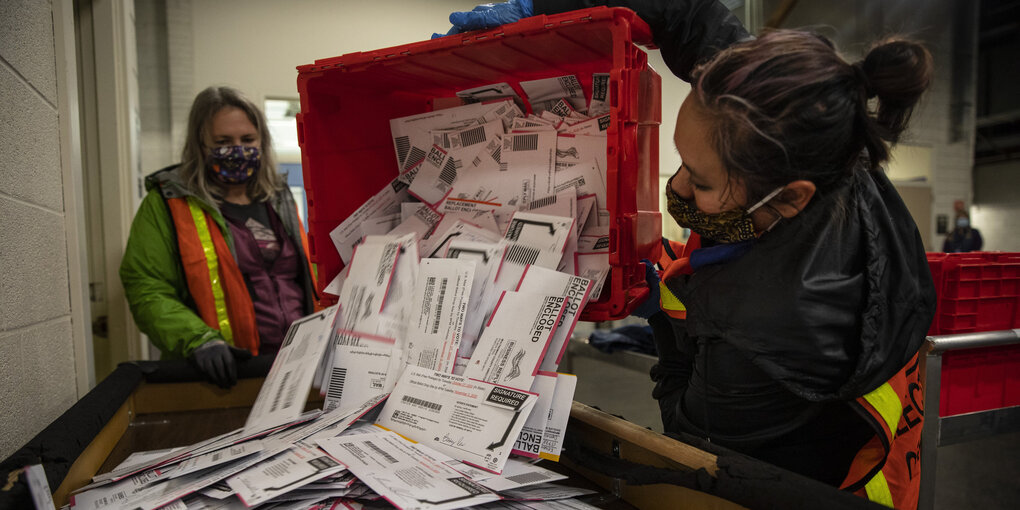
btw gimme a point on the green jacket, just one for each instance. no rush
(152, 274)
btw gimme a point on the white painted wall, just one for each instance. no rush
(37, 358)
(996, 209)
(255, 45)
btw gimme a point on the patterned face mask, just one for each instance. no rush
(726, 227)
(233, 164)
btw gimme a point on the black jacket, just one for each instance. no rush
(821, 310)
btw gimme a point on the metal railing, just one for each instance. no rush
(942, 431)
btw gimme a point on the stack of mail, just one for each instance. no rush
(376, 452)
(467, 171)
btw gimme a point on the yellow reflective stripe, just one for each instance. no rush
(667, 301)
(213, 262)
(885, 401)
(878, 490)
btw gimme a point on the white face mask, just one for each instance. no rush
(962, 222)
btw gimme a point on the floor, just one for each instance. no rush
(981, 474)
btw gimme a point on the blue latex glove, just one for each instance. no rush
(651, 305)
(488, 16)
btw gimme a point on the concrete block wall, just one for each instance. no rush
(37, 371)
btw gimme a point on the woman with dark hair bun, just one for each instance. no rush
(804, 286)
(216, 265)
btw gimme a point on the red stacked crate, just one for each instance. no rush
(977, 292)
(347, 101)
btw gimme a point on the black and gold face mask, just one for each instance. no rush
(731, 226)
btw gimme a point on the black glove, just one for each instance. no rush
(216, 360)
(651, 305)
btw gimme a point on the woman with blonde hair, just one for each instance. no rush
(216, 263)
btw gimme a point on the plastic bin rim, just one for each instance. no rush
(640, 31)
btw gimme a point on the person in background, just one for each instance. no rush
(216, 262)
(963, 237)
(804, 292)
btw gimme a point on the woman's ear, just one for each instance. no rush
(793, 198)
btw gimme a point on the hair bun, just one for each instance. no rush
(897, 71)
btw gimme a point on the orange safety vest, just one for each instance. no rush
(887, 470)
(214, 280)
(674, 259)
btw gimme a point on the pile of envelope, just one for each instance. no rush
(463, 281)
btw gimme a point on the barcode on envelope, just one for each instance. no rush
(473, 136)
(403, 145)
(382, 453)
(336, 383)
(542, 202)
(423, 403)
(413, 158)
(449, 172)
(520, 254)
(439, 305)
(528, 478)
(279, 392)
(525, 143)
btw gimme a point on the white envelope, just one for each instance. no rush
(581, 149)
(283, 395)
(297, 467)
(559, 414)
(599, 103)
(585, 206)
(530, 162)
(441, 300)
(542, 94)
(595, 267)
(348, 233)
(491, 91)
(407, 209)
(503, 110)
(421, 223)
(530, 124)
(529, 442)
(480, 177)
(545, 235)
(488, 259)
(464, 139)
(562, 204)
(539, 280)
(360, 372)
(472, 421)
(435, 177)
(381, 225)
(588, 179)
(459, 228)
(427, 483)
(516, 338)
(410, 134)
(550, 496)
(520, 473)
(596, 126)
(223, 456)
(364, 294)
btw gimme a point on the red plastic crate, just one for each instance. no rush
(347, 102)
(978, 291)
(979, 379)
